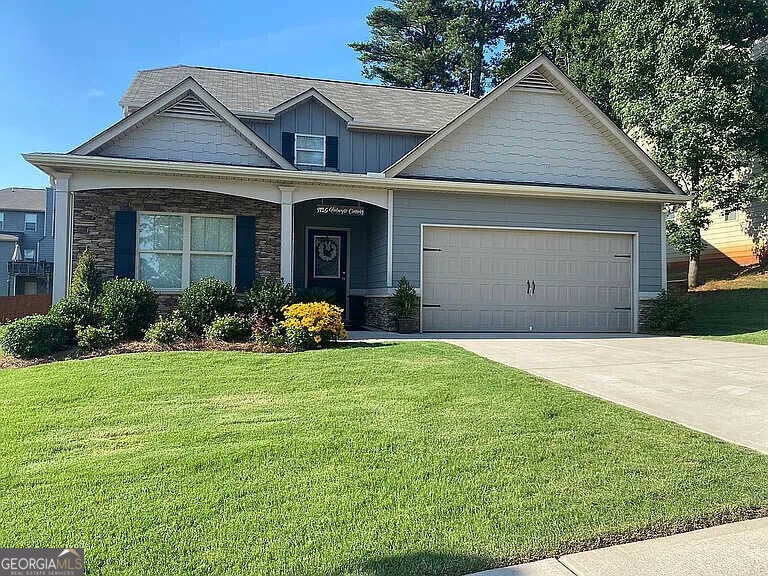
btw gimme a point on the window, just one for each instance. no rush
(310, 150)
(175, 250)
(2, 220)
(29, 253)
(30, 222)
(731, 216)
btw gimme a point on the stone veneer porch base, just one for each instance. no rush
(379, 313)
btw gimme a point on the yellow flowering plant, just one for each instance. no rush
(313, 324)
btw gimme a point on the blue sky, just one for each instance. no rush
(65, 65)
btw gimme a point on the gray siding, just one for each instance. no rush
(359, 152)
(533, 137)
(186, 139)
(37, 240)
(413, 209)
(377, 247)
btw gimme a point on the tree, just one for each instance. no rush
(86, 279)
(437, 44)
(684, 78)
(408, 45)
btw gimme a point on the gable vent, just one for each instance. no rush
(190, 107)
(536, 81)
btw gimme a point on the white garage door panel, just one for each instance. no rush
(476, 279)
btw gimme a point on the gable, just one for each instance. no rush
(186, 139)
(532, 135)
(185, 123)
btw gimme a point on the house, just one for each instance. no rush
(26, 241)
(525, 210)
(729, 244)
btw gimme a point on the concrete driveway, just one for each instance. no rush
(717, 387)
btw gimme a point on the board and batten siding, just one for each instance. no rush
(359, 151)
(412, 209)
(534, 137)
(186, 139)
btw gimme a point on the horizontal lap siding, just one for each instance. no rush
(377, 247)
(411, 210)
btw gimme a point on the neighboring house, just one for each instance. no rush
(524, 210)
(728, 248)
(26, 241)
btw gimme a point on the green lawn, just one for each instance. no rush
(734, 310)
(415, 458)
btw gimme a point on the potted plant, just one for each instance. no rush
(405, 305)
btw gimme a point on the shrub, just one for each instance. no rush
(95, 338)
(86, 279)
(316, 294)
(669, 313)
(128, 307)
(74, 313)
(204, 301)
(404, 299)
(229, 328)
(313, 325)
(167, 331)
(267, 300)
(35, 336)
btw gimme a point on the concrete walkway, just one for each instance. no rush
(739, 549)
(720, 388)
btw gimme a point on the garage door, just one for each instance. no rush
(482, 279)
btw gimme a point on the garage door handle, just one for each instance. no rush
(528, 288)
(533, 288)
(627, 308)
(430, 305)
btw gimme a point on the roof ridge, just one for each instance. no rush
(296, 77)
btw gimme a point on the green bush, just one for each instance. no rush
(229, 328)
(167, 331)
(669, 313)
(86, 279)
(35, 336)
(204, 301)
(266, 301)
(405, 301)
(128, 307)
(74, 313)
(95, 338)
(317, 294)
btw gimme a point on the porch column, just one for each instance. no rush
(286, 233)
(390, 228)
(62, 218)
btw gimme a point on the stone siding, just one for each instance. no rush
(379, 313)
(94, 220)
(643, 313)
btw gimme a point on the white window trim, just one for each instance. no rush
(26, 221)
(296, 149)
(186, 251)
(2, 220)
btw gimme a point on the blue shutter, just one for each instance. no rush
(289, 146)
(245, 257)
(332, 151)
(125, 244)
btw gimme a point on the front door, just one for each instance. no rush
(327, 262)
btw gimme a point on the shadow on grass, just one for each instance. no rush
(424, 564)
(729, 312)
(366, 344)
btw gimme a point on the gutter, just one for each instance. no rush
(53, 163)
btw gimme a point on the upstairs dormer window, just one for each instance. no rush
(310, 150)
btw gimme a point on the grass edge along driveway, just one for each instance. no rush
(382, 460)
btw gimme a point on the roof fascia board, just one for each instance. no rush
(186, 86)
(306, 95)
(540, 61)
(369, 127)
(52, 163)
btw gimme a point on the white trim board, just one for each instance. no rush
(635, 259)
(539, 63)
(52, 163)
(168, 99)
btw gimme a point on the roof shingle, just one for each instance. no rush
(22, 199)
(252, 92)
